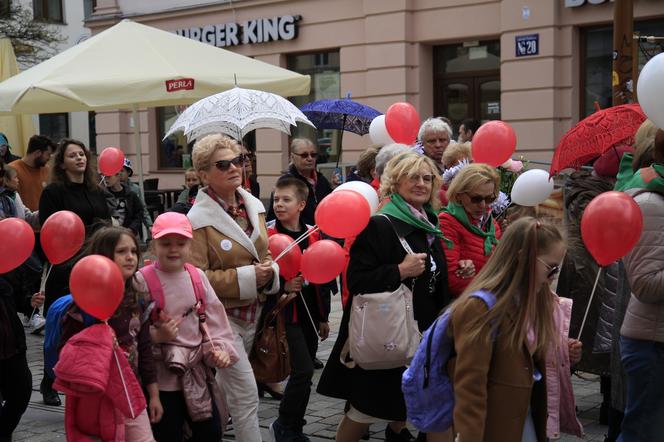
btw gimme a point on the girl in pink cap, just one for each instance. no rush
(191, 334)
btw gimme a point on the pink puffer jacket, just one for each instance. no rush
(100, 385)
(560, 395)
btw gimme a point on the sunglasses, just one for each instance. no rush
(553, 270)
(313, 155)
(224, 165)
(476, 199)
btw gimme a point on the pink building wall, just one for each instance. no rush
(386, 55)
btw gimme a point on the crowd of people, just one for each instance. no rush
(189, 321)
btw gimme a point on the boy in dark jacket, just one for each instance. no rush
(15, 376)
(306, 317)
(125, 206)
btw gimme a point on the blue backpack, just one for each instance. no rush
(426, 386)
(53, 331)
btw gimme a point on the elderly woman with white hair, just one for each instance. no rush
(435, 135)
(378, 263)
(231, 245)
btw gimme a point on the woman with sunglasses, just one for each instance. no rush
(468, 223)
(230, 244)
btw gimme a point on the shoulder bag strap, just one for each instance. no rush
(402, 240)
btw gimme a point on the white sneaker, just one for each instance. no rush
(37, 323)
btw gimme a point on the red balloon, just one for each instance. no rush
(111, 161)
(494, 143)
(17, 243)
(323, 261)
(62, 235)
(97, 286)
(609, 241)
(289, 264)
(402, 123)
(343, 214)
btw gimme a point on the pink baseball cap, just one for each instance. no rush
(171, 222)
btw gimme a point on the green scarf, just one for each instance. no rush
(457, 211)
(649, 178)
(398, 208)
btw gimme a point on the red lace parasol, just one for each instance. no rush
(595, 134)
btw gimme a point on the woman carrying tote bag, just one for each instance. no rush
(379, 263)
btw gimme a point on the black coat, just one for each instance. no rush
(322, 189)
(12, 336)
(373, 267)
(579, 269)
(133, 217)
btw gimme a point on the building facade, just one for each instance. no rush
(67, 16)
(540, 65)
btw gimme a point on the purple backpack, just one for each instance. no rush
(426, 386)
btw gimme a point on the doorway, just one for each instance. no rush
(467, 82)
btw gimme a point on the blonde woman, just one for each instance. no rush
(497, 370)
(468, 223)
(231, 245)
(378, 263)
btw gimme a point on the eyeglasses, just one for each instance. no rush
(476, 199)
(224, 165)
(426, 179)
(303, 155)
(553, 270)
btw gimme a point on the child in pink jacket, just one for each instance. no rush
(560, 395)
(190, 343)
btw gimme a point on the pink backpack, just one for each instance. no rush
(149, 272)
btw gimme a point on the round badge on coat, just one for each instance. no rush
(226, 245)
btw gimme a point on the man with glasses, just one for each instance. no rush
(303, 167)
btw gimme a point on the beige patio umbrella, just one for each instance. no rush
(132, 66)
(17, 128)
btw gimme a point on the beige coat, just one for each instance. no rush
(644, 264)
(493, 384)
(226, 253)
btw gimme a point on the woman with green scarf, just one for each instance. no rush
(468, 224)
(379, 263)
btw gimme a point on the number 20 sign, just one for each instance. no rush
(527, 45)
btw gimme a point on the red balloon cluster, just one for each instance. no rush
(289, 263)
(97, 286)
(62, 235)
(343, 214)
(494, 143)
(323, 261)
(111, 161)
(609, 241)
(17, 243)
(402, 122)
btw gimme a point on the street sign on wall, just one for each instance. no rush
(527, 45)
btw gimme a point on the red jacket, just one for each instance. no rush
(467, 245)
(101, 387)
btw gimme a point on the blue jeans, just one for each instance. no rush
(644, 413)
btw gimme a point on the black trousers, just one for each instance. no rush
(293, 405)
(15, 389)
(171, 426)
(310, 335)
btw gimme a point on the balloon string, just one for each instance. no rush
(301, 238)
(309, 313)
(124, 384)
(590, 301)
(42, 285)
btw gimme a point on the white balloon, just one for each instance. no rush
(650, 90)
(378, 131)
(532, 187)
(364, 189)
